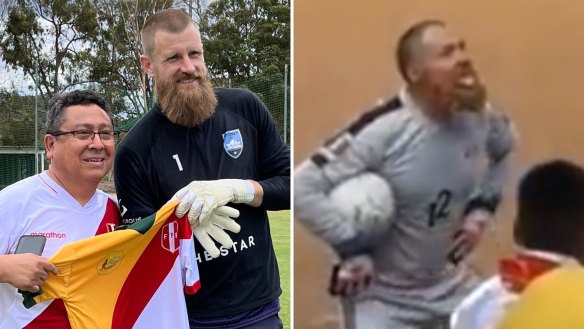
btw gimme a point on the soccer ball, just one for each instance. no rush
(367, 201)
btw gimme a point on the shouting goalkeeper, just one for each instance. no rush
(208, 147)
(444, 151)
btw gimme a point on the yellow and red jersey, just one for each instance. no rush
(130, 278)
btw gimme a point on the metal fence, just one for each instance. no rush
(22, 117)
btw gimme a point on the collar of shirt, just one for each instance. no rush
(519, 270)
(551, 256)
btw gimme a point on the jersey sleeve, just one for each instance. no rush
(465, 315)
(501, 145)
(274, 161)
(483, 307)
(459, 319)
(10, 212)
(132, 187)
(56, 286)
(188, 260)
(357, 149)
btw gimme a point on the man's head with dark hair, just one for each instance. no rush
(58, 104)
(80, 142)
(438, 70)
(550, 215)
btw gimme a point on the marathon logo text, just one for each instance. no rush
(51, 235)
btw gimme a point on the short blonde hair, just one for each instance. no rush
(169, 20)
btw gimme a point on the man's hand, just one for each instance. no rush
(468, 237)
(25, 271)
(201, 198)
(351, 276)
(214, 227)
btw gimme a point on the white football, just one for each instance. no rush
(367, 200)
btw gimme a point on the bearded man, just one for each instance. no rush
(445, 151)
(208, 147)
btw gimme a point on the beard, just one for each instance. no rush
(189, 107)
(472, 99)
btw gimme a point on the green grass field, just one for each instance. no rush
(280, 227)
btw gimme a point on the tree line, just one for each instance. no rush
(63, 45)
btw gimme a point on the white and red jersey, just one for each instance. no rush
(486, 305)
(131, 278)
(39, 206)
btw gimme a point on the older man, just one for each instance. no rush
(445, 151)
(62, 204)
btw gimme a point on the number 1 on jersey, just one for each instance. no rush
(175, 157)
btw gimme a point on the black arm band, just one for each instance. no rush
(489, 204)
(361, 244)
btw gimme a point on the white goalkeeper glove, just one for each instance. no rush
(201, 198)
(220, 220)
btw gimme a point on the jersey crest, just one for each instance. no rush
(233, 143)
(110, 262)
(170, 238)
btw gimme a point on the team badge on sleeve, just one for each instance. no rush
(233, 143)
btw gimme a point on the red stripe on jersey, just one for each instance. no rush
(111, 218)
(53, 317)
(139, 288)
(191, 290)
(49, 186)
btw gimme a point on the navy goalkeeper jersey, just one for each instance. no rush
(158, 157)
